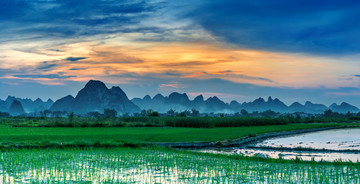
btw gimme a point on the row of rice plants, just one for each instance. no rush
(159, 165)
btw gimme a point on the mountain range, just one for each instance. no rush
(27, 104)
(180, 102)
(95, 97)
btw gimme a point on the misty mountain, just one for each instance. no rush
(39, 105)
(297, 107)
(63, 104)
(261, 105)
(144, 103)
(344, 108)
(199, 104)
(277, 105)
(177, 98)
(176, 101)
(180, 102)
(257, 105)
(27, 104)
(4, 106)
(128, 105)
(95, 97)
(16, 108)
(214, 104)
(315, 108)
(236, 106)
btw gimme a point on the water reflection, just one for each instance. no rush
(341, 140)
(338, 139)
(288, 154)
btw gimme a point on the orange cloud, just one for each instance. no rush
(124, 62)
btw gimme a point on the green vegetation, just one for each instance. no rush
(112, 149)
(118, 136)
(159, 165)
(153, 120)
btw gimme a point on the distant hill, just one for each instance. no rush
(4, 106)
(95, 97)
(28, 105)
(163, 104)
(16, 108)
(261, 105)
(343, 108)
(297, 107)
(63, 104)
(181, 102)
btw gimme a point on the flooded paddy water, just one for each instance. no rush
(162, 165)
(328, 145)
(157, 165)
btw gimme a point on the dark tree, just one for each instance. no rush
(195, 113)
(171, 112)
(244, 112)
(4, 114)
(110, 113)
(182, 114)
(328, 113)
(269, 113)
(94, 114)
(143, 113)
(71, 117)
(154, 114)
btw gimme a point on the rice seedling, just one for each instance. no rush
(160, 165)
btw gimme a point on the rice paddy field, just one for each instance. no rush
(113, 136)
(160, 165)
(38, 155)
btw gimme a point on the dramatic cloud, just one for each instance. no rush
(50, 76)
(75, 58)
(226, 90)
(77, 69)
(228, 74)
(317, 27)
(46, 66)
(240, 49)
(69, 18)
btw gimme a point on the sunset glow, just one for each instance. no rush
(164, 45)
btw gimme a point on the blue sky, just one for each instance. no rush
(293, 50)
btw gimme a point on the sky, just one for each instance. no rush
(234, 49)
